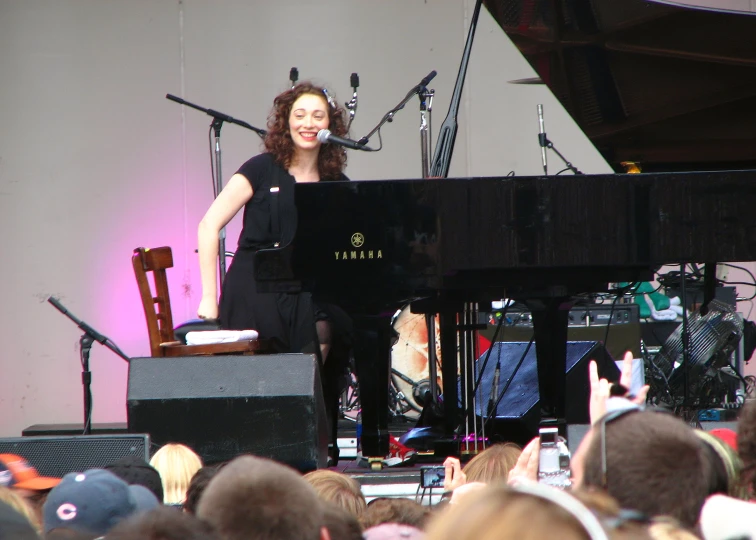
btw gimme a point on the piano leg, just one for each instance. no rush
(710, 286)
(449, 369)
(372, 351)
(550, 318)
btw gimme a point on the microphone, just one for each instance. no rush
(542, 140)
(494, 390)
(428, 78)
(325, 136)
(293, 76)
(354, 81)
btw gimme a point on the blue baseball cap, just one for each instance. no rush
(91, 502)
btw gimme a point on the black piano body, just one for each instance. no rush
(373, 246)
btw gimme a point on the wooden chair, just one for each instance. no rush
(157, 310)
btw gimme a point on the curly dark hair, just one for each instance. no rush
(331, 158)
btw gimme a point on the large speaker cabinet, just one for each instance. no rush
(223, 406)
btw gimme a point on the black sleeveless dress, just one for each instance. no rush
(286, 319)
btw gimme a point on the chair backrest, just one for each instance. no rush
(157, 306)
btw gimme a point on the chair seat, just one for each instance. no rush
(194, 325)
(176, 348)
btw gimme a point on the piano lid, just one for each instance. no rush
(671, 88)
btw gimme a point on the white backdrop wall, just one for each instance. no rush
(94, 161)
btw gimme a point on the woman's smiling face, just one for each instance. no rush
(309, 114)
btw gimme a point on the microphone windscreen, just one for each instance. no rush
(428, 78)
(323, 135)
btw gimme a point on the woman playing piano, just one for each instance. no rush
(264, 187)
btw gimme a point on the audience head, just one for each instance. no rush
(654, 464)
(20, 505)
(197, 486)
(727, 435)
(17, 473)
(176, 464)
(61, 533)
(93, 502)
(526, 511)
(339, 489)
(402, 511)
(726, 518)
(162, 523)
(493, 463)
(257, 498)
(624, 524)
(393, 531)
(747, 445)
(14, 525)
(135, 471)
(726, 466)
(341, 524)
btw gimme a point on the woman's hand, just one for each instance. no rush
(208, 309)
(526, 467)
(601, 388)
(454, 477)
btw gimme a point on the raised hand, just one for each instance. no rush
(454, 476)
(601, 389)
(526, 468)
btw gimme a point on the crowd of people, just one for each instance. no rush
(637, 473)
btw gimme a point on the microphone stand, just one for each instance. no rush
(216, 124)
(351, 105)
(546, 143)
(426, 107)
(389, 116)
(89, 336)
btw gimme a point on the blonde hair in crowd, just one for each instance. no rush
(339, 489)
(176, 464)
(497, 512)
(493, 464)
(20, 505)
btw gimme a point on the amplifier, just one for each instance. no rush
(594, 314)
(58, 455)
(585, 323)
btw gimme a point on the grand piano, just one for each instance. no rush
(374, 246)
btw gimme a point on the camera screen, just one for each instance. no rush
(432, 477)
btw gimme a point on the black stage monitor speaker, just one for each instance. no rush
(518, 413)
(223, 406)
(59, 455)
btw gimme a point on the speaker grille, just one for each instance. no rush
(57, 456)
